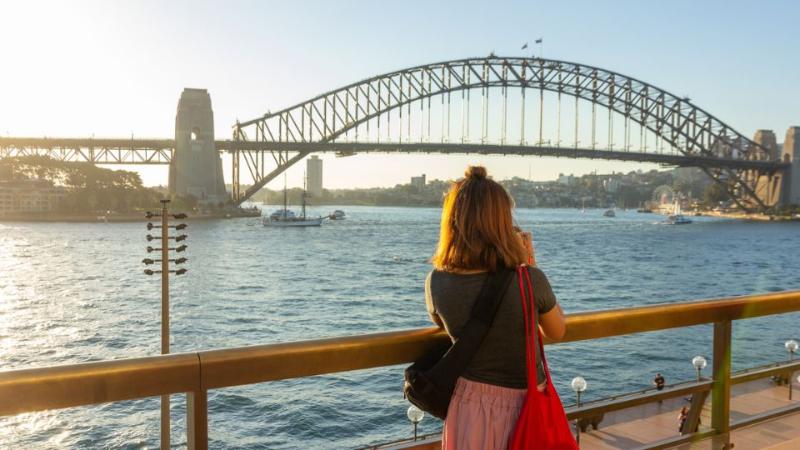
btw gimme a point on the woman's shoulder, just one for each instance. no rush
(537, 273)
(441, 282)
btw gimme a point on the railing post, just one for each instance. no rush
(197, 420)
(721, 390)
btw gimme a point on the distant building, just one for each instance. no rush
(314, 176)
(418, 182)
(566, 180)
(611, 185)
(29, 196)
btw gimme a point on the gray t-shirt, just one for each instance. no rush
(500, 359)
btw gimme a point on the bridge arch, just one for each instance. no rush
(687, 128)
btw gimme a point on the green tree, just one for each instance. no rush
(715, 193)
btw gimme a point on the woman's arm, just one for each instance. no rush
(552, 323)
(429, 303)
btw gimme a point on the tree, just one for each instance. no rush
(715, 193)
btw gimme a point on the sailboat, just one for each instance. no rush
(286, 218)
(677, 218)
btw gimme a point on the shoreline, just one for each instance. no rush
(110, 218)
(757, 217)
(139, 216)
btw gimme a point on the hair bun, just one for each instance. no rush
(476, 172)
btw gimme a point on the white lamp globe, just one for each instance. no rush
(415, 415)
(791, 345)
(578, 384)
(699, 362)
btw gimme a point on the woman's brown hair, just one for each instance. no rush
(477, 230)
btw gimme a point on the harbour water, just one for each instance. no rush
(76, 292)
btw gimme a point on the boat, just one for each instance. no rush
(677, 218)
(286, 218)
(337, 215)
(610, 213)
(282, 213)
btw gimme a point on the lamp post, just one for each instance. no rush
(791, 347)
(415, 415)
(699, 364)
(578, 385)
(790, 386)
(165, 271)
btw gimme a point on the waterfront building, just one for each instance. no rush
(566, 180)
(314, 174)
(29, 196)
(418, 182)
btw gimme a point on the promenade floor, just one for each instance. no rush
(639, 426)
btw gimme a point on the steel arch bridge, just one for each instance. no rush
(396, 111)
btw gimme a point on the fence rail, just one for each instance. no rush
(195, 373)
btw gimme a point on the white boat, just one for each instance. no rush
(292, 222)
(610, 213)
(286, 218)
(282, 213)
(677, 218)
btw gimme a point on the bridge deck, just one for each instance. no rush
(159, 151)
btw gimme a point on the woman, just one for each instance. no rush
(478, 236)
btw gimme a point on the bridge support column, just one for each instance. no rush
(768, 185)
(791, 153)
(196, 167)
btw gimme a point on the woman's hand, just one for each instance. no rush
(527, 241)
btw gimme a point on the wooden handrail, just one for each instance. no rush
(65, 386)
(55, 387)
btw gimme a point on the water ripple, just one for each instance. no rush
(75, 292)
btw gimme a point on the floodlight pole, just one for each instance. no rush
(165, 428)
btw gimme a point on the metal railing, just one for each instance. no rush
(29, 390)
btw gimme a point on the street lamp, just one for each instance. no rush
(791, 347)
(415, 415)
(165, 271)
(578, 385)
(699, 364)
(790, 386)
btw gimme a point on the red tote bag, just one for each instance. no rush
(542, 423)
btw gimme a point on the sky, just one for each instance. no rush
(117, 68)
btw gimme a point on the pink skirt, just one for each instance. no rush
(481, 416)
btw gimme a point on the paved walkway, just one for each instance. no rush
(636, 427)
(777, 434)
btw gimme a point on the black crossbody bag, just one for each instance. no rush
(431, 380)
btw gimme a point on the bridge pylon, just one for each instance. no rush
(790, 153)
(196, 166)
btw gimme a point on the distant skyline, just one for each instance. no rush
(85, 68)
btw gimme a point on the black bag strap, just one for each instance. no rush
(457, 358)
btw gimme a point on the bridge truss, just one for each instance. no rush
(436, 104)
(477, 105)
